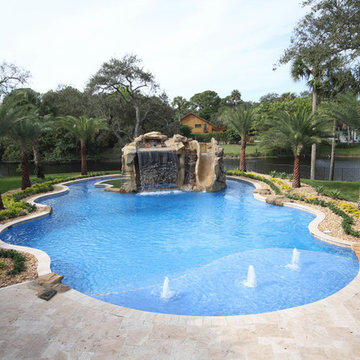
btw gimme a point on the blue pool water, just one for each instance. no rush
(120, 247)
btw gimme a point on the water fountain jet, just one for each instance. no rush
(295, 260)
(251, 278)
(166, 293)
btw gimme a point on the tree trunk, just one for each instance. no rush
(242, 154)
(25, 174)
(83, 158)
(2, 207)
(313, 146)
(138, 120)
(296, 173)
(332, 157)
(38, 165)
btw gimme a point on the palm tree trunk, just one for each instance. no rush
(25, 174)
(2, 207)
(83, 158)
(138, 120)
(242, 154)
(38, 165)
(313, 146)
(296, 174)
(332, 157)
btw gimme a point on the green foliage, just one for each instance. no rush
(272, 104)
(241, 119)
(83, 127)
(349, 189)
(185, 130)
(294, 131)
(345, 109)
(19, 260)
(2, 264)
(334, 193)
(255, 177)
(205, 104)
(125, 80)
(319, 189)
(181, 106)
(116, 183)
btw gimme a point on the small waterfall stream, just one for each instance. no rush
(158, 168)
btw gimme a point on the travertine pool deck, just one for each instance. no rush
(75, 326)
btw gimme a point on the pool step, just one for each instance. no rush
(49, 285)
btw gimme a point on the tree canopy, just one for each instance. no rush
(11, 77)
(129, 81)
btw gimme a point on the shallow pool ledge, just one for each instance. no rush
(43, 258)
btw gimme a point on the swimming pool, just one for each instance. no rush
(120, 247)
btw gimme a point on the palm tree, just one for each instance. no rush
(7, 119)
(83, 128)
(25, 129)
(347, 110)
(242, 120)
(294, 131)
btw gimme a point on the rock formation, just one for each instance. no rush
(152, 161)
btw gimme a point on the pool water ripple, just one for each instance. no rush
(120, 247)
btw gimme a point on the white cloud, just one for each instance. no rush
(189, 46)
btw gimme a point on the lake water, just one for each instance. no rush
(345, 169)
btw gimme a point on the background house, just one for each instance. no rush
(199, 125)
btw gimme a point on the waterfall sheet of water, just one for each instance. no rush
(158, 168)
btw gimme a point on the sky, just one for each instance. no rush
(188, 45)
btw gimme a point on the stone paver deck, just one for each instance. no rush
(74, 326)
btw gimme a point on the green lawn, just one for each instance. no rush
(117, 183)
(251, 150)
(349, 189)
(352, 150)
(14, 182)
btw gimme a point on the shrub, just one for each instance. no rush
(255, 177)
(319, 189)
(351, 209)
(273, 173)
(285, 187)
(334, 193)
(19, 260)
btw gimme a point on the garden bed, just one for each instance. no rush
(29, 273)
